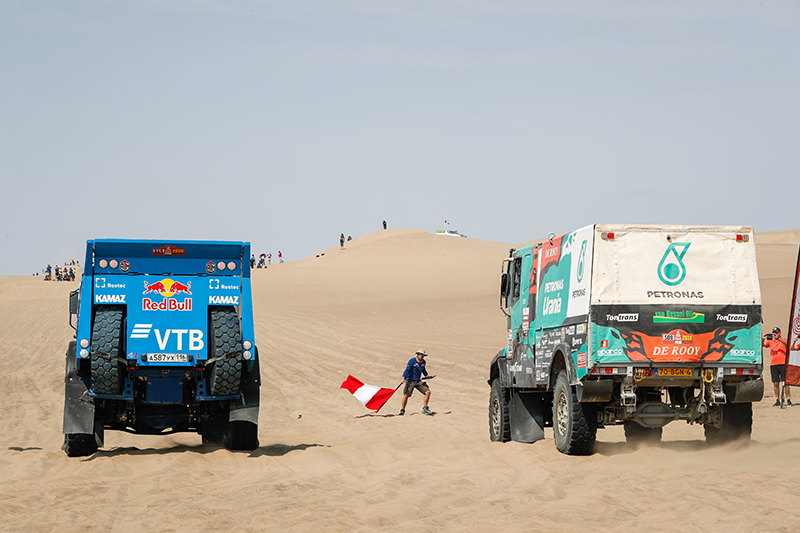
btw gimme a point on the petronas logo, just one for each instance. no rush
(671, 269)
(580, 261)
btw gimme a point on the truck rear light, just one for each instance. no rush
(84, 343)
(247, 345)
(221, 265)
(113, 263)
(738, 370)
(84, 353)
(742, 238)
(247, 355)
(608, 235)
(231, 266)
(103, 263)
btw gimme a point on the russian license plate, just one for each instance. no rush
(167, 358)
(674, 372)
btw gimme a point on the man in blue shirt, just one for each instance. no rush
(412, 377)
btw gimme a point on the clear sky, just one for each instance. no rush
(287, 123)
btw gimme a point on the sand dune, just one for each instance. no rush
(326, 464)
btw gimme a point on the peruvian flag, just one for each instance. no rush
(371, 396)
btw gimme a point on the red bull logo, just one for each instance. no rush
(167, 288)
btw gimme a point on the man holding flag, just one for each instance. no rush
(412, 376)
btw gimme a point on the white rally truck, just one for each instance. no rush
(632, 325)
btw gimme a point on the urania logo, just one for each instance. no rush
(671, 269)
(580, 262)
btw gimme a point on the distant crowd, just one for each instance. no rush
(60, 273)
(264, 260)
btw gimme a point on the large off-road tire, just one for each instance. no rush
(215, 430)
(737, 424)
(574, 423)
(107, 338)
(226, 343)
(499, 425)
(79, 444)
(636, 434)
(242, 436)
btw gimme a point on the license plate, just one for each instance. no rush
(167, 358)
(674, 372)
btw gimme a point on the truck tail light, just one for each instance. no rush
(742, 238)
(607, 235)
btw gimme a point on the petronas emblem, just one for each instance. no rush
(671, 269)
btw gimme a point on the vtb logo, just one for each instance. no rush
(671, 269)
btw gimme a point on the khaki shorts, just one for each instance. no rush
(411, 385)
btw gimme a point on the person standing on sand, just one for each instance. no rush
(777, 364)
(384, 224)
(280, 257)
(341, 241)
(412, 377)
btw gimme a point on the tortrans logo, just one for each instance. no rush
(739, 318)
(671, 269)
(623, 317)
(167, 288)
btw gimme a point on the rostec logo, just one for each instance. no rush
(109, 298)
(195, 337)
(732, 318)
(623, 317)
(671, 269)
(167, 288)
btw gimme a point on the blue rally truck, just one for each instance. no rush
(631, 325)
(164, 344)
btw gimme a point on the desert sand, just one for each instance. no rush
(327, 464)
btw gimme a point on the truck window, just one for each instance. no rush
(517, 279)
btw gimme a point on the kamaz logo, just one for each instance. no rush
(109, 298)
(732, 318)
(223, 300)
(195, 337)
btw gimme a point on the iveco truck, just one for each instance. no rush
(631, 325)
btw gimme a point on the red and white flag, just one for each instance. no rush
(371, 396)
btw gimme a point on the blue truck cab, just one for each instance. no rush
(164, 344)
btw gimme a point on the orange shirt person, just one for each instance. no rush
(777, 364)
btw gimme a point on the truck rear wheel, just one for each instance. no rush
(499, 426)
(226, 347)
(242, 436)
(636, 434)
(79, 444)
(574, 423)
(737, 424)
(107, 337)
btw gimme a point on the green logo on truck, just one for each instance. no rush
(671, 269)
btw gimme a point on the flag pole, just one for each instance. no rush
(395, 390)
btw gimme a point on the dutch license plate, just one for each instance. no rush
(167, 358)
(674, 372)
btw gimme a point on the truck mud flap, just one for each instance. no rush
(78, 405)
(595, 391)
(745, 391)
(526, 411)
(245, 409)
